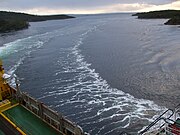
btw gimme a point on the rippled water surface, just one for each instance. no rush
(101, 71)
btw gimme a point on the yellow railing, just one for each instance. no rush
(14, 125)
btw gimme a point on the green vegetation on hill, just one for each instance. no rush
(12, 25)
(173, 21)
(30, 18)
(15, 21)
(173, 15)
(164, 14)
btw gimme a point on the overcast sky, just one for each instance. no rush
(86, 6)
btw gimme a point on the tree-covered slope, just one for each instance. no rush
(30, 18)
(173, 21)
(173, 15)
(164, 14)
(12, 25)
(10, 21)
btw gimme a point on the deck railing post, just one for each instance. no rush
(61, 123)
(40, 111)
(19, 94)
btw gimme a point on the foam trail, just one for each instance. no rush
(20, 49)
(95, 103)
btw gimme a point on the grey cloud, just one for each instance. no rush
(79, 4)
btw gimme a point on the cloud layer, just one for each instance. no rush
(86, 6)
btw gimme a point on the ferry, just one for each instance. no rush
(21, 114)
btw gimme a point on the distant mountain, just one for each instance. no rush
(15, 21)
(173, 15)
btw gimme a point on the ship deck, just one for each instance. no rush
(28, 122)
(6, 128)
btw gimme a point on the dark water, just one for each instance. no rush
(101, 71)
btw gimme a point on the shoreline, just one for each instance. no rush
(173, 16)
(14, 21)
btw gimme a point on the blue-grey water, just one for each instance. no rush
(108, 73)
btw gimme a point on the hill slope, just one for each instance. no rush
(173, 15)
(15, 21)
(30, 18)
(12, 25)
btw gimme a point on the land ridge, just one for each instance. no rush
(12, 21)
(172, 15)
